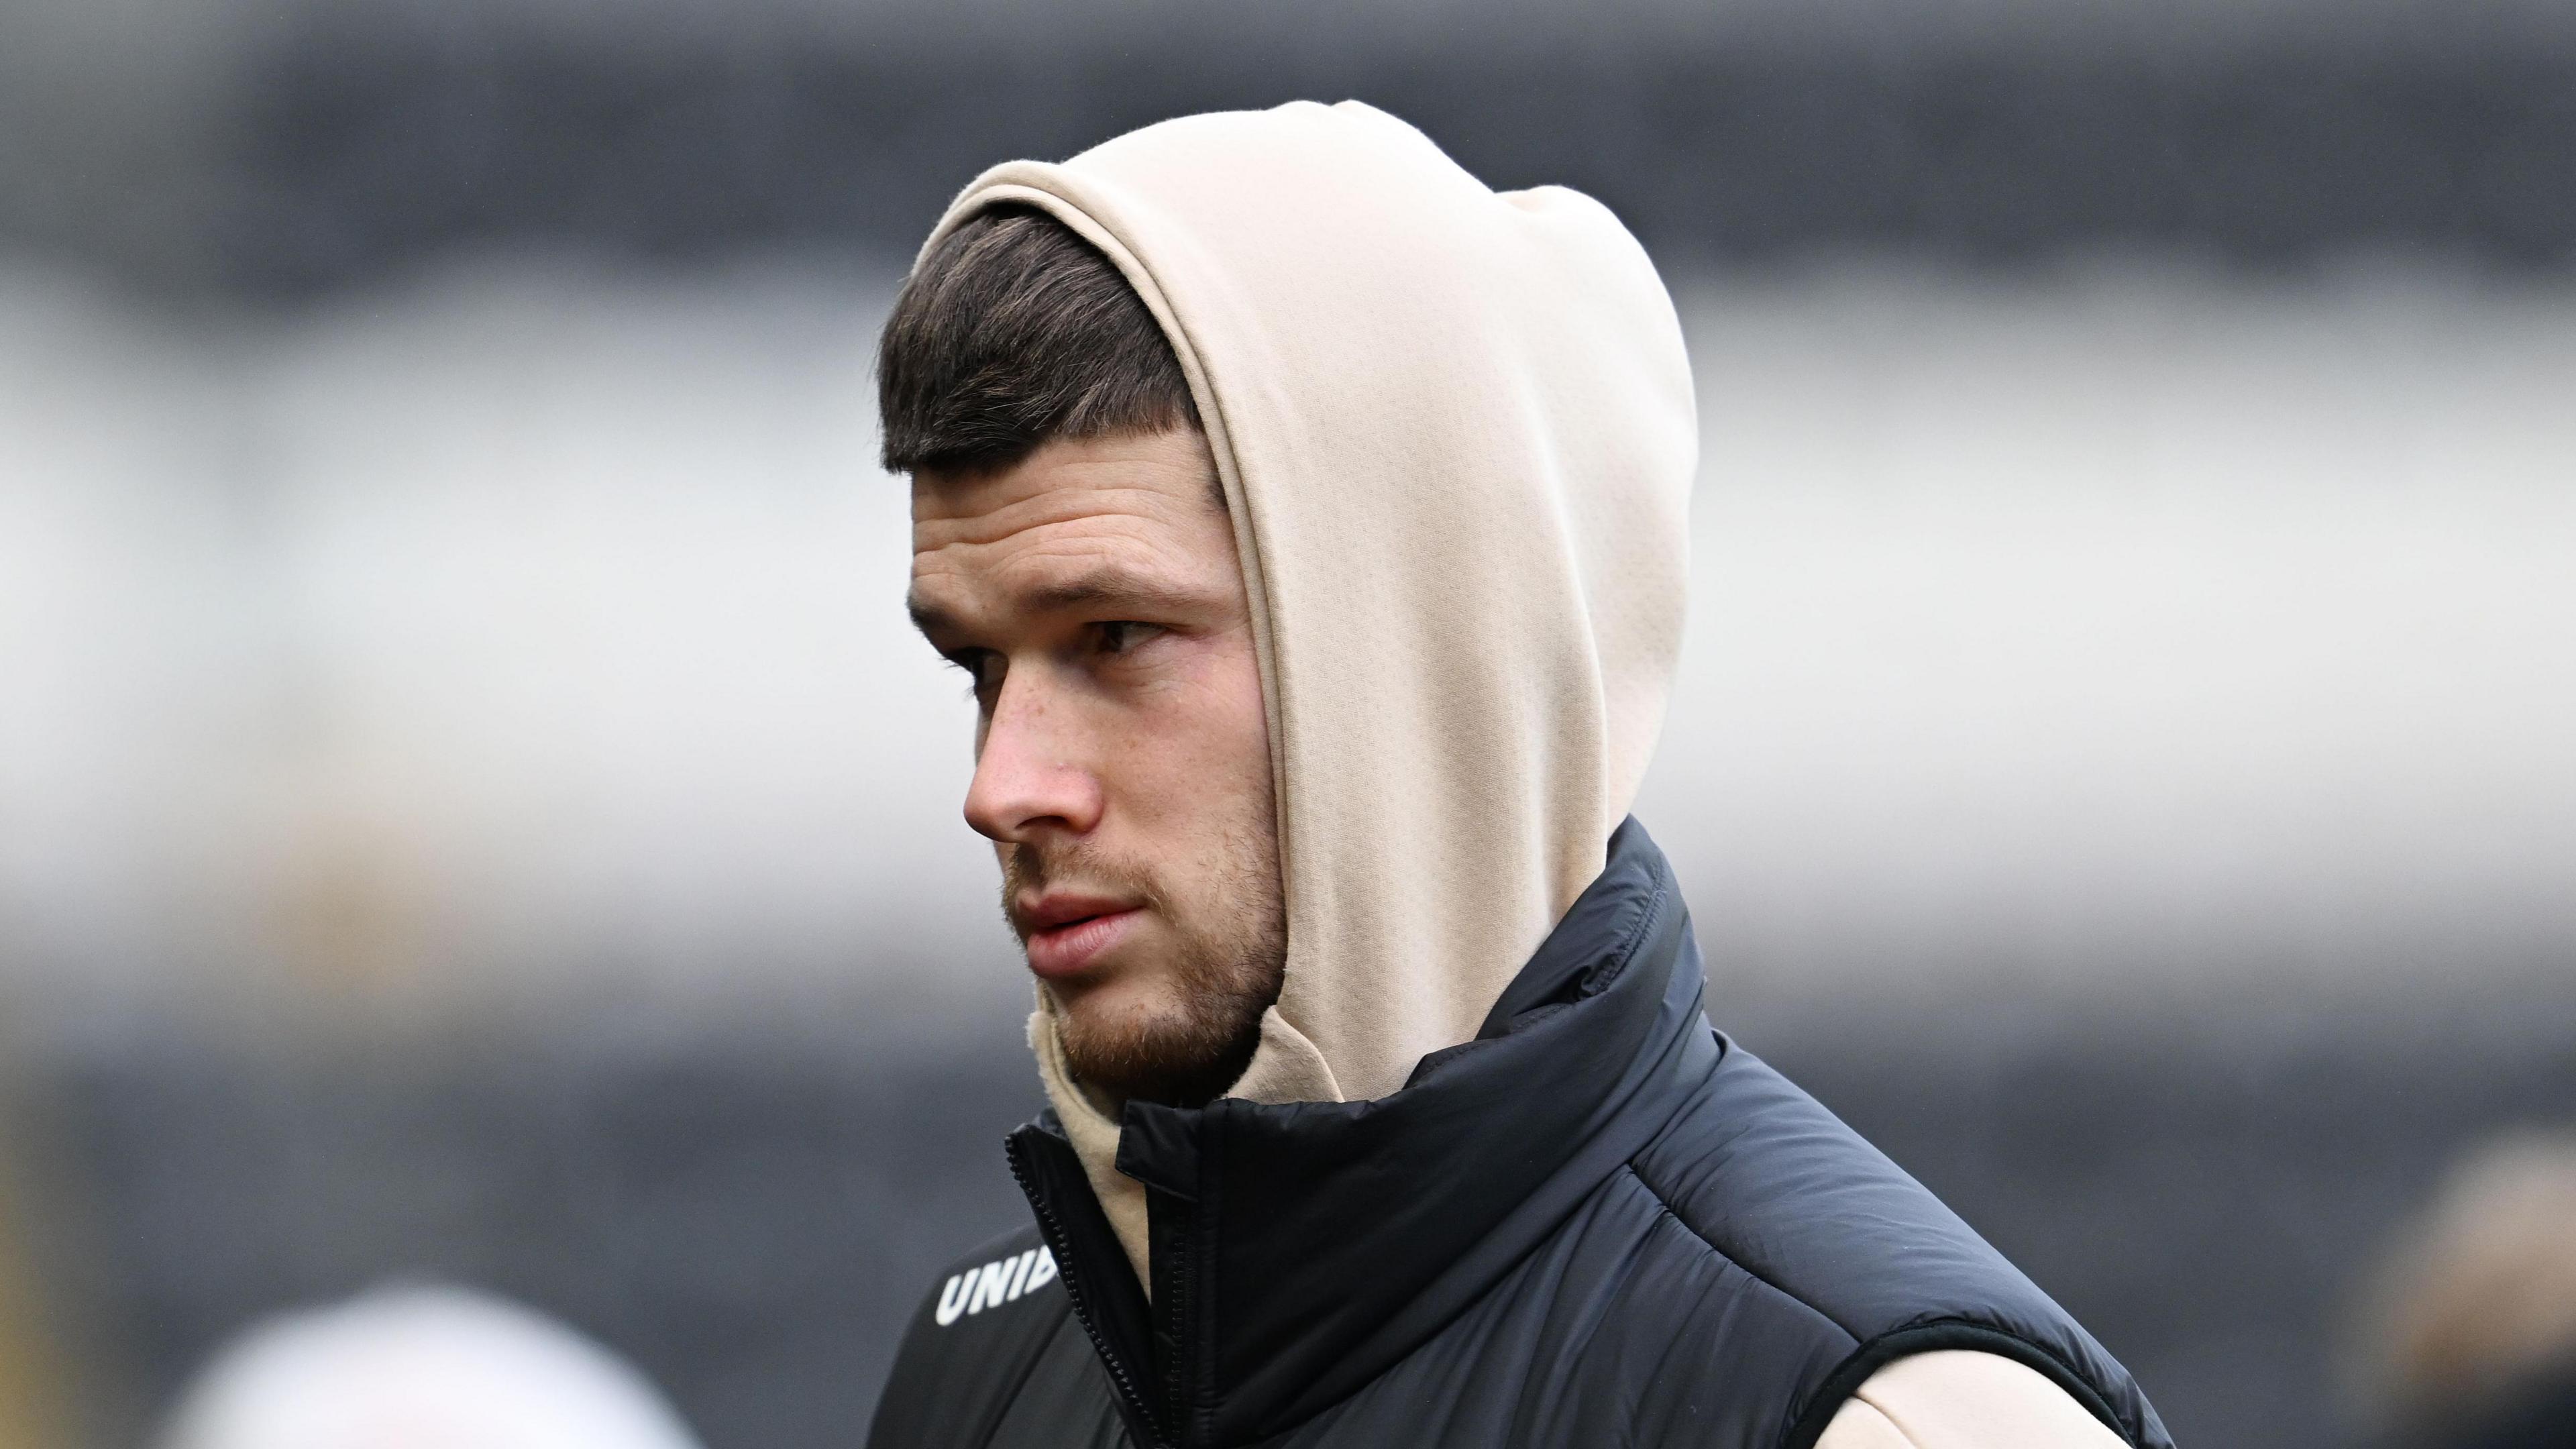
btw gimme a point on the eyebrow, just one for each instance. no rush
(1101, 587)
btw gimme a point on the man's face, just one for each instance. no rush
(1122, 758)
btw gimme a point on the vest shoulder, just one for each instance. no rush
(1775, 1183)
(971, 1343)
(1767, 1176)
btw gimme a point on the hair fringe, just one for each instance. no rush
(1014, 331)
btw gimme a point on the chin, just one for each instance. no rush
(1115, 1019)
(1133, 1050)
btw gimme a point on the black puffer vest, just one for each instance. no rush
(1598, 1223)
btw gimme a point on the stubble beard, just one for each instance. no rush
(1229, 951)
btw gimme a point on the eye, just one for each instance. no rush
(983, 669)
(1120, 635)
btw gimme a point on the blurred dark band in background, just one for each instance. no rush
(330, 142)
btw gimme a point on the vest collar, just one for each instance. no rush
(1300, 1250)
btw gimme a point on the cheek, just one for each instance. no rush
(1206, 737)
(1248, 726)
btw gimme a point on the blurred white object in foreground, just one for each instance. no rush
(421, 1368)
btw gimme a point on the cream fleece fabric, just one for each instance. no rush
(1957, 1399)
(1457, 435)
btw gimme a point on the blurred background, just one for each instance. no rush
(471, 810)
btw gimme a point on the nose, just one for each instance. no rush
(1030, 781)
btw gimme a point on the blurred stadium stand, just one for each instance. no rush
(750, 1222)
(457, 465)
(310, 145)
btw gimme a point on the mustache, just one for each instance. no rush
(1028, 870)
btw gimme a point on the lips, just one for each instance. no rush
(1066, 934)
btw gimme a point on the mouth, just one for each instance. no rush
(1066, 935)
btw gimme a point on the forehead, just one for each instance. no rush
(1140, 503)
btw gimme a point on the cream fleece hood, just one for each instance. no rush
(1457, 435)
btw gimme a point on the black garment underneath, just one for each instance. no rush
(1599, 1223)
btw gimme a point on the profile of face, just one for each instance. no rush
(1122, 757)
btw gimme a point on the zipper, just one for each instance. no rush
(1053, 1231)
(1172, 1309)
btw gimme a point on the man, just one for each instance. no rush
(1309, 520)
(2474, 1343)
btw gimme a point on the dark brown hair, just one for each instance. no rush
(1012, 331)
